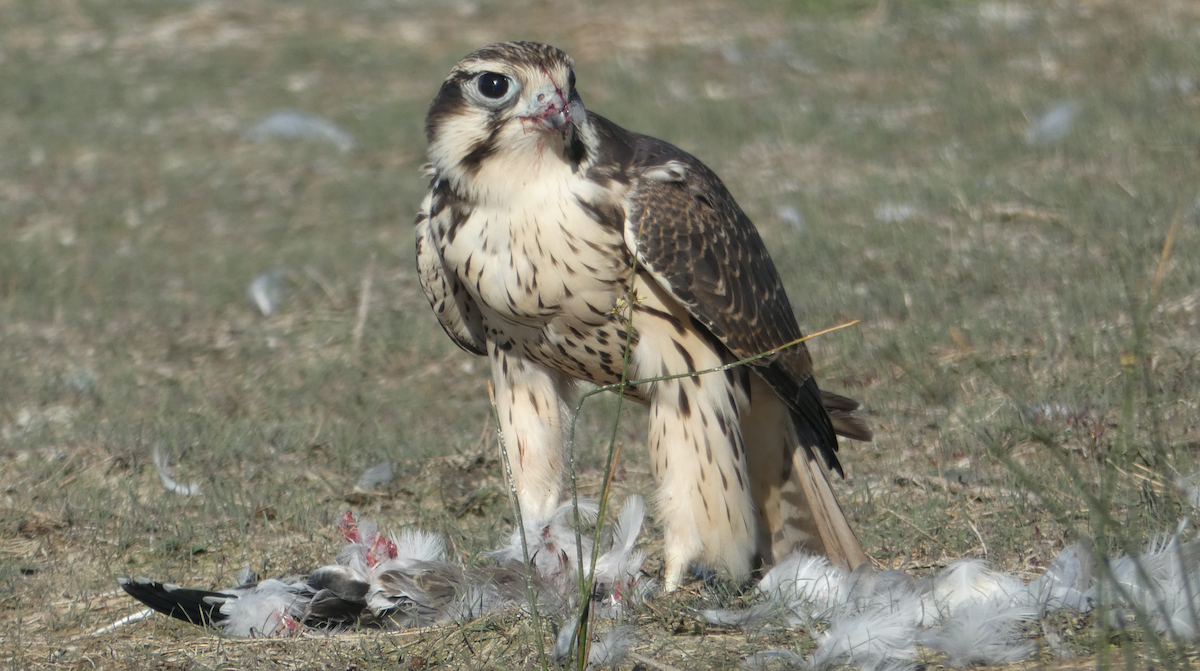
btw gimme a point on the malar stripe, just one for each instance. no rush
(576, 153)
(473, 161)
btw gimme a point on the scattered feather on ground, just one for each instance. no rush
(1054, 124)
(867, 619)
(293, 125)
(969, 612)
(266, 290)
(162, 464)
(376, 476)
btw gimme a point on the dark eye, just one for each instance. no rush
(571, 81)
(493, 85)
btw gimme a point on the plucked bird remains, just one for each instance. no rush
(404, 580)
(552, 240)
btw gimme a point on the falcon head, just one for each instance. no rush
(506, 107)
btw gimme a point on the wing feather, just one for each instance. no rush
(688, 233)
(459, 317)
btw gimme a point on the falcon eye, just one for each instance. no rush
(493, 85)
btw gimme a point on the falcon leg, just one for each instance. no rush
(696, 452)
(531, 404)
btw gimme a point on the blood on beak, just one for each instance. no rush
(549, 110)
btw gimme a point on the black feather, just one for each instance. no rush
(196, 606)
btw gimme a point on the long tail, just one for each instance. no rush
(797, 509)
(808, 500)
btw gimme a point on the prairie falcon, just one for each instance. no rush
(552, 239)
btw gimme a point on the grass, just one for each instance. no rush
(1025, 382)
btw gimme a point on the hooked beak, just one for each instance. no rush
(549, 110)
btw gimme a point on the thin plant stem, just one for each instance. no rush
(716, 369)
(1163, 258)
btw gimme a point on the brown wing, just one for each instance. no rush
(455, 311)
(689, 233)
